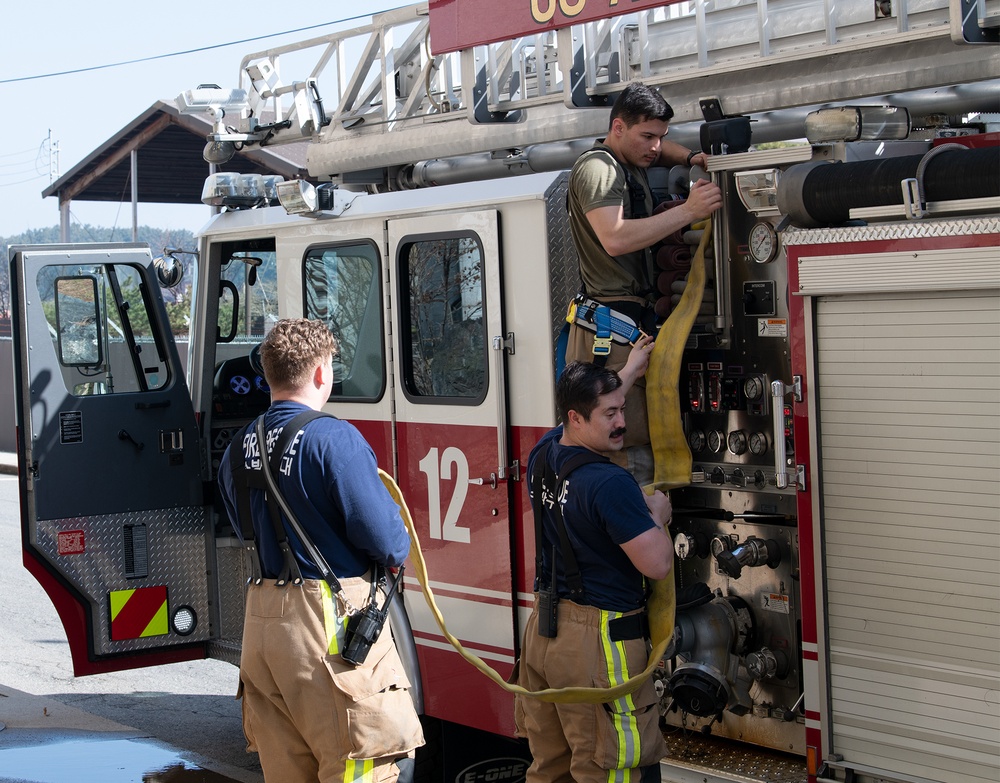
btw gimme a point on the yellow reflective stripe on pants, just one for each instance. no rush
(333, 624)
(622, 709)
(359, 771)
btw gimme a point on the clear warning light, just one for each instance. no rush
(184, 620)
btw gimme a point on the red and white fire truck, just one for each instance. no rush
(840, 388)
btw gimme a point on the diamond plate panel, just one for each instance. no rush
(705, 755)
(915, 229)
(564, 274)
(177, 558)
(232, 575)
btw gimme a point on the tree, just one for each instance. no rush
(177, 300)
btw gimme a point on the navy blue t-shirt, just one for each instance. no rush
(329, 477)
(603, 508)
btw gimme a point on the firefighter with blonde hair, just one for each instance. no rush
(309, 711)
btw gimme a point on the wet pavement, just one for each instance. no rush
(45, 741)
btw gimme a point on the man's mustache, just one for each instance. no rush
(618, 433)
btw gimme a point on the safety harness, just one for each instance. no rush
(608, 324)
(546, 482)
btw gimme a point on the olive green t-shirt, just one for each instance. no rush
(597, 180)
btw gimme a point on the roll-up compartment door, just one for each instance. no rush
(909, 430)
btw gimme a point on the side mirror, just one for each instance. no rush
(169, 270)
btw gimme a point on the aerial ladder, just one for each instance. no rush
(375, 100)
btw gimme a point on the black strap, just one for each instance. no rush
(243, 480)
(633, 626)
(288, 432)
(544, 478)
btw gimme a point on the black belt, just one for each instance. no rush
(633, 626)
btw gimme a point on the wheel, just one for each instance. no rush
(255, 363)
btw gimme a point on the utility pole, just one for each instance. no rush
(53, 176)
(53, 159)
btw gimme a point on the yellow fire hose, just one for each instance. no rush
(671, 454)
(670, 463)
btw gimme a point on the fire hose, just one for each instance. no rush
(672, 468)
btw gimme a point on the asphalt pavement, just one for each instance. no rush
(43, 740)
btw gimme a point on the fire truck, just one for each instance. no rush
(837, 544)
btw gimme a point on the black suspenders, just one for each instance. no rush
(245, 479)
(544, 477)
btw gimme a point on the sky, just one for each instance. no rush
(80, 111)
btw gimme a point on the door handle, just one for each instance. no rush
(123, 435)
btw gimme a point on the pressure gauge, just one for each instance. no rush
(696, 440)
(753, 388)
(737, 442)
(715, 441)
(758, 443)
(763, 242)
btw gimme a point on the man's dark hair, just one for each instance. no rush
(639, 102)
(579, 387)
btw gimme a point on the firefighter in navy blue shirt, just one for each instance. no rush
(618, 539)
(298, 692)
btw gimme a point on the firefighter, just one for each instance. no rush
(614, 229)
(598, 537)
(311, 715)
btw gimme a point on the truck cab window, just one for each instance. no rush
(442, 332)
(342, 290)
(99, 321)
(248, 307)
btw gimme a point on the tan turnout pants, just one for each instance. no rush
(311, 716)
(587, 743)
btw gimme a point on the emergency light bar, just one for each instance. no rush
(241, 191)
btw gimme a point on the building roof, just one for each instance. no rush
(170, 169)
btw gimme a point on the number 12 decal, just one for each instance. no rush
(435, 471)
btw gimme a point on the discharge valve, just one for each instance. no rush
(751, 553)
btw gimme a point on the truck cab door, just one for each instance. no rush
(450, 351)
(114, 524)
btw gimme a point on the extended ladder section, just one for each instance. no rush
(375, 97)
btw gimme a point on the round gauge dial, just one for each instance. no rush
(737, 442)
(758, 443)
(763, 242)
(753, 388)
(715, 441)
(696, 440)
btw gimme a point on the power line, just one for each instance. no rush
(182, 53)
(25, 162)
(22, 152)
(23, 181)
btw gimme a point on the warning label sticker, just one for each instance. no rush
(70, 542)
(772, 327)
(774, 602)
(71, 427)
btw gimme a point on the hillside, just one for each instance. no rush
(156, 238)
